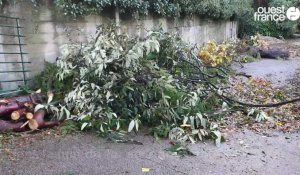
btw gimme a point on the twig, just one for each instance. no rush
(262, 105)
(244, 75)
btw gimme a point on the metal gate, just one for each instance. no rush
(13, 78)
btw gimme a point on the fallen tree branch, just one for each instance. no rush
(244, 75)
(231, 100)
(262, 105)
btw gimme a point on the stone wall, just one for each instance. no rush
(46, 29)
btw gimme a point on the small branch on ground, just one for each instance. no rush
(262, 105)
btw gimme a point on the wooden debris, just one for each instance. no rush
(16, 115)
(14, 110)
(8, 125)
(29, 115)
(7, 106)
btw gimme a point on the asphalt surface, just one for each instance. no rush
(244, 153)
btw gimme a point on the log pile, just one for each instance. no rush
(17, 114)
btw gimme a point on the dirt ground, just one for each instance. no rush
(245, 152)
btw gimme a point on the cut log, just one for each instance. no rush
(16, 115)
(32, 98)
(29, 115)
(33, 125)
(270, 47)
(273, 53)
(39, 118)
(7, 125)
(7, 106)
(37, 122)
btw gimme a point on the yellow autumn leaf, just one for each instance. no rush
(146, 170)
(279, 123)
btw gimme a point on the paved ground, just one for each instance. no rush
(245, 153)
(277, 71)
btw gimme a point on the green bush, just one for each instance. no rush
(216, 9)
(47, 80)
(122, 83)
(249, 27)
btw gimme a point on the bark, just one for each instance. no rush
(273, 53)
(7, 125)
(38, 117)
(31, 98)
(7, 106)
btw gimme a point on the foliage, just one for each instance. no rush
(47, 80)
(95, 6)
(214, 55)
(216, 9)
(69, 127)
(249, 59)
(249, 27)
(161, 131)
(179, 149)
(4, 2)
(121, 81)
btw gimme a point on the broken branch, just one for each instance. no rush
(262, 105)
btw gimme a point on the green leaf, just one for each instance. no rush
(118, 125)
(131, 125)
(136, 125)
(251, 112)
(84, 125)
(101, 128)
(38, 107)
(218, 137)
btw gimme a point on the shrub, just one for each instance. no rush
(122, 82)
(216, 9)
(249, 27)
(47, 81)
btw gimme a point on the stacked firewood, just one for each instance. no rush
(17, 114)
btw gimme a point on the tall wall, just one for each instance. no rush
(46, 29)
